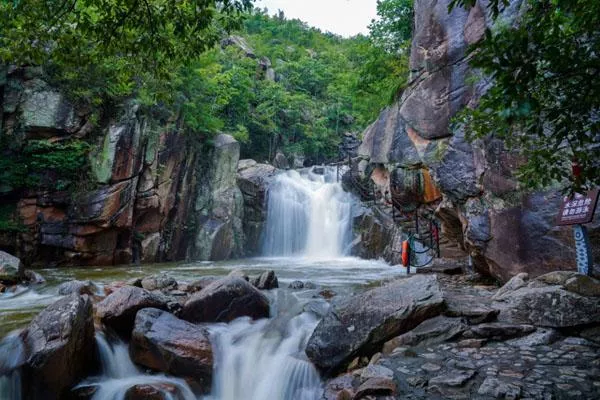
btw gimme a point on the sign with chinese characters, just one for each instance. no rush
(578, 209)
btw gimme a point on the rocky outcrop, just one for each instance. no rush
(118, 310)
(61, 346)
(226, 300)
(219, 204)
(133, 203)
(162, 342)
(483, 211)
(11, 269)
(253, 180)
(361, 324)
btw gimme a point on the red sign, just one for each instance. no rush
(578, 209)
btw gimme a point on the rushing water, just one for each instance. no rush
(308, 231)
(309, 215)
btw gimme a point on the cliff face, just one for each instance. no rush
(504, 229)
(148, 195)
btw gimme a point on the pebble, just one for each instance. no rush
(430, 367)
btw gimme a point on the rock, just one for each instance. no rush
(296, 285)
(516, 282)
(540, 337)
(240, 43)
(444, 266)
(362, 323)
(453, 378)
(78, 287)
(118, 310)
(61, 346)
(500, 331)
(157, 391)
(583, 285)
(266, 281)
(239, 273)
(474, 309)
(327, 294)
(376, 386)
(162, 282)
(224, 301)
(431, 367)
(376, 371)
(46, 110)
(472, 343)
(555, 277)
(163, 342)
(10, 269)
(33, 277)
(309, 285)
(339, 388)
(432, 331)
(416, 381)
(198, 284)
(549, 306)
(592, 334)
(499, 389)
(280, 161)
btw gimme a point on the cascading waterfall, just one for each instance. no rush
(256, 361)
(308, 214)
(12, 356)
(119, 374)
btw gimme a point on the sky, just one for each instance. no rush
(344, 17)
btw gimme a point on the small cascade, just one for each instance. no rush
(308, 214)
(12, 356)
(257, 361)
(119, 374)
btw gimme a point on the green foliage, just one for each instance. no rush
(545, 100)
(393, 30)
(46, 165)
(8, 219)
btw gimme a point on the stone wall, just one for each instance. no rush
(483, 211)
(147, 183)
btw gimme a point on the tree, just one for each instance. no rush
(545, 98)
(393, 30)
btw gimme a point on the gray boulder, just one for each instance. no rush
(118, 310)
(10, 269)
(432, 331)
(61, 347)
(159, 282)
(78, 287)
(224, 301)
(363, 323)
(265, 281)
(163, 342)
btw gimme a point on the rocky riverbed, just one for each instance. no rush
(441, 334)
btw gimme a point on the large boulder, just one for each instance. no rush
(555, 300)
(265, 281)
(226, 300)
(163, 342)
(10, 269)
(78, 287)
(432, 331)
(61, 348)
(118, 310)
(361, 324)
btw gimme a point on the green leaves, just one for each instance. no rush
(545, 101)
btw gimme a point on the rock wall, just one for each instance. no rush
(503, 228)
(147, 183)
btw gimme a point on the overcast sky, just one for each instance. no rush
(344, 17)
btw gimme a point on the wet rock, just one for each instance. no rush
(118, 310)
(266, 281)
(376, 386)
(309, 285)
(239, 273)
(432, 331)
(162, 282)
(10, 269)
(280, 161)
(500, 331)
(362, 323)
(327, 294)
(61, 347)
(226, 300)
(155, 391)
(198, 284)
(376, 371)
(499, 389)
(163, 342)
(33, 277)
(296, 285)
(78, 287)
(339, 388)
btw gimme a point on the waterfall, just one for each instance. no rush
(256, 361)
(119, 374)
(308, 214)
(12, 356)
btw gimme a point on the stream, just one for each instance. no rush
(307, 238)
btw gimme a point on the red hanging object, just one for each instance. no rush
(405, 253)
(436, 233)
(576, 169)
